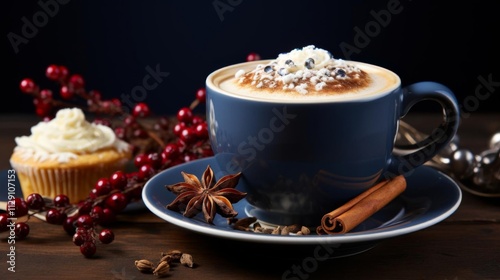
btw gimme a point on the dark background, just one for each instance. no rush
(111, 43)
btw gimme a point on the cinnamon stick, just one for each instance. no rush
(358, 209)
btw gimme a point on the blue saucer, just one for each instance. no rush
(430, 197)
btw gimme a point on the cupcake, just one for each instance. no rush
(67, 155)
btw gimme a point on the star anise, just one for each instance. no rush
(207, 196)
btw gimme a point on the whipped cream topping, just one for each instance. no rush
(305, 70)
(67, 136)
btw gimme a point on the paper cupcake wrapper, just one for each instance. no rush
(75, 183)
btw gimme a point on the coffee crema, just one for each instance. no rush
(305, 74)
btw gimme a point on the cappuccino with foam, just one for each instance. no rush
(309, 74)
(310, 132)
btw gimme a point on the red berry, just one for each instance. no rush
(201, 130)
(55, 217)
(188, 135)
(95, 95)
(197, 120)
(85, 221)
(93, 193)
(185, 115)
(176, 161)
(253, 56)
(171, 151)
(45, 112)
(69, 224)
(154, 159)
(207, 152)
(21, 230)
(43, 107)
(53, 72)
(140, 160)
(20, 207)
(78, 238)
(178, 127)
(46, 94)
(76, 81)
(131, 175)
(88, 249)
(120, 132)
(118, 180)
(116, 202)
(141, 133)
(102, 187)
(63, 72)
(61, 200)
(116, 102)
(82, 231)
(129, 121)
(4, 222)
(97, 213)
(164, 158)
(35, 201)
(108, 216)
(27, 85)
(201, 95)
(189, 157)
(91, 103)
(162, 123)
(103, 121)
(66, 92)
(106, 105)
(141, 110)
(84, 207)
(181, 144)
(145, 172)
(106, 236)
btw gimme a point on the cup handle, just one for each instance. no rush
(417, 154)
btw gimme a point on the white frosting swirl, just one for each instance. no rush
(321, 58)
(66, 136)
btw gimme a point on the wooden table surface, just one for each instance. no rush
(466, 245)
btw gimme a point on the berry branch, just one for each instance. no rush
(158, 144)
(166, 142)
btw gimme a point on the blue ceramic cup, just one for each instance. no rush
(302, 159)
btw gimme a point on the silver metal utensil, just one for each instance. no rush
(476, 174)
